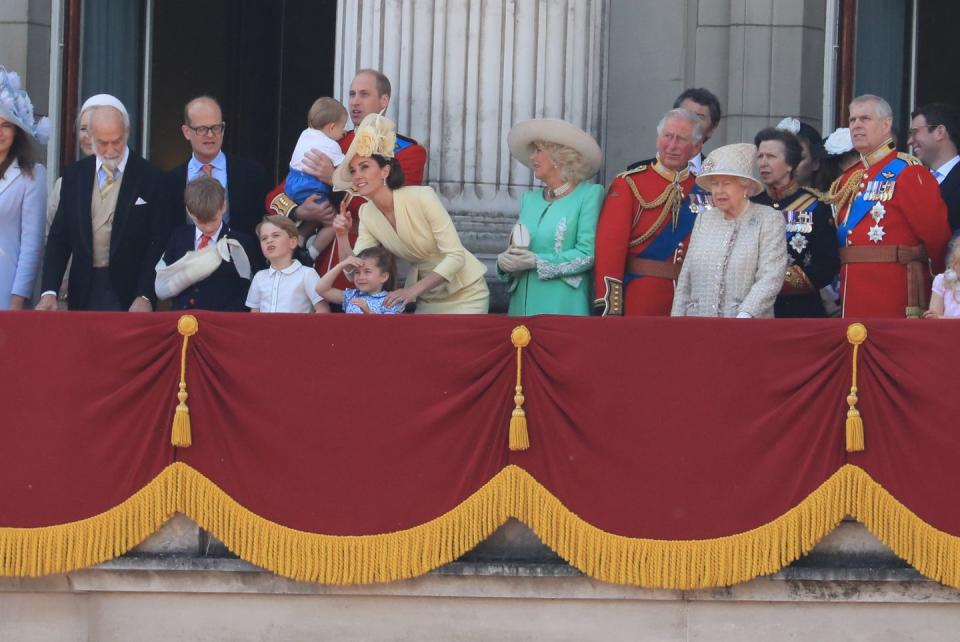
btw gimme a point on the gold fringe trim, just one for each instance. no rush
(513, 492)
(31, 552)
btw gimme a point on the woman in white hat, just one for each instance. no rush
(737, 255)
(409, 222)
(23, 193)
(551, 251)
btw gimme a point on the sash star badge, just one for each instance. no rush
(876, 233)
(798, 243)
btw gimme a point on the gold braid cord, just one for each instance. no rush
(670, 198)
(180, 436)
(839, 197)
(856, 334)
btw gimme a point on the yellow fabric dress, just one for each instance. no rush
(426, 238)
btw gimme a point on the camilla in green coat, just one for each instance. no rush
(550, 257)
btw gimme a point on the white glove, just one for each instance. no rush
(516, 260)
(744, 315)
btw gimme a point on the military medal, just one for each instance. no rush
(876, 233)
(700, 202)
(878, 211)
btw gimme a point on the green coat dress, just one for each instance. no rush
(561, 235)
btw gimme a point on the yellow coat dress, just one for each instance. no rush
(426, 238)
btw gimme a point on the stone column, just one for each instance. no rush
(767, 59)
(763, 59)
(463, 72)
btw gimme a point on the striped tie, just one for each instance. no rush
(204, 241)
(207, 169)
(110, 180)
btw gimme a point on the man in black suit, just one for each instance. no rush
(706, 106)
(246, 181)
(935, 137)
(109, 222)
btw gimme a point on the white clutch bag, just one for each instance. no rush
(520, 236)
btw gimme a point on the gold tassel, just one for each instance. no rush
(519, 437)
(856, 334)
(181, 436)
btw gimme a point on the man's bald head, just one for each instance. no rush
(109, 132)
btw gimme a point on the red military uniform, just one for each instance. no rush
(642, 235)
(892, 229)
(412, 158)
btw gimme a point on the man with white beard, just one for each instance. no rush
(108, 222)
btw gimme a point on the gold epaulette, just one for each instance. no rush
(817, 194)
(909, 159)
(282, 204)
(635, 170)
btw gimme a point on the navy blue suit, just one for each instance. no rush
(247, 187)
(224, 290)
(950, 191)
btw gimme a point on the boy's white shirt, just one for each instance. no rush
(315, 139)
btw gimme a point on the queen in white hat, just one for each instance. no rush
(23, 193)
(737, 258)
(410, 223)
(550, 254)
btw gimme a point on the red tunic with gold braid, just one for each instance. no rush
(641, 204)
(412, 157)
(915, 215)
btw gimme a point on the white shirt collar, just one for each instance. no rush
(695, 163)
(219, 162)
(123, 161)
(290, 269)
(213, 237)
(944, 169)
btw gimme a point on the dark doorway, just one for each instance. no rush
(937, 58)
(265, 61)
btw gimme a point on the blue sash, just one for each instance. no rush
(401, 144)
(859, 208)
(662, 247)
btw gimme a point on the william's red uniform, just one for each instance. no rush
(642, 236)
(412, 158)
(910, 226)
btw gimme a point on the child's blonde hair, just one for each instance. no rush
(282, 222)
(324, 111)
(953, 265)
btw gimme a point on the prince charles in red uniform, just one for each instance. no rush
(645, 225)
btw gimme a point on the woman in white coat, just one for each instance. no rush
(23, 194)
